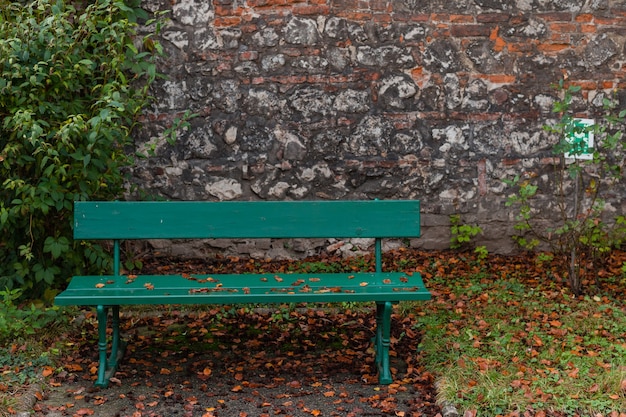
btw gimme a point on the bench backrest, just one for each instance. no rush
(123, 220)
(246, 219)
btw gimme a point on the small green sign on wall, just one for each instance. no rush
(581, 138)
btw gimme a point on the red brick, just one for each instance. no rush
(552, 47)
(250, 27)
(308, 10)
(510, 162)
(518, 20)
(358, 16)
(226, 21)
(498, 78)
(608, 21)
(564, 27)
(400, 121)
(440, 17)
(418, 17)
(228, 11)
(584, 18)
(289, 79)
(556, 17)
(493, 18)
(461, 18)
(224, 66)
(553, 160)
(519, 47)
(248, 55)
(382, 18)
(470, 30)
(586, 85)
(588, 28)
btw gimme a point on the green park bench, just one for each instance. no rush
(126, 220)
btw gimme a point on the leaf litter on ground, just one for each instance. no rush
(502, 336)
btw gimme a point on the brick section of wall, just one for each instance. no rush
(437, 100)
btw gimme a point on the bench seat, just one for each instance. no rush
(247, 288)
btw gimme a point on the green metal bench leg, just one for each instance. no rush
(115, 344)
(108, 366)
(383, 334)
(102, 311)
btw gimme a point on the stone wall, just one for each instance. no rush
(360, 99)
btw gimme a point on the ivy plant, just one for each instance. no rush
(74, 79)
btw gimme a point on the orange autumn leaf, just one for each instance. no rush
(47, 371)
(73, 367)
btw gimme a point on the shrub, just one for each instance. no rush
(72, 84)
(581, 229)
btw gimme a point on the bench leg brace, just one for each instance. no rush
(108, 366)
(383, 332)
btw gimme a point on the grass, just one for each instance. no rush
(504, 345)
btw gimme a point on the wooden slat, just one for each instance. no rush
(249, 219)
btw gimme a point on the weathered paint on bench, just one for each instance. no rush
(119, 221)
